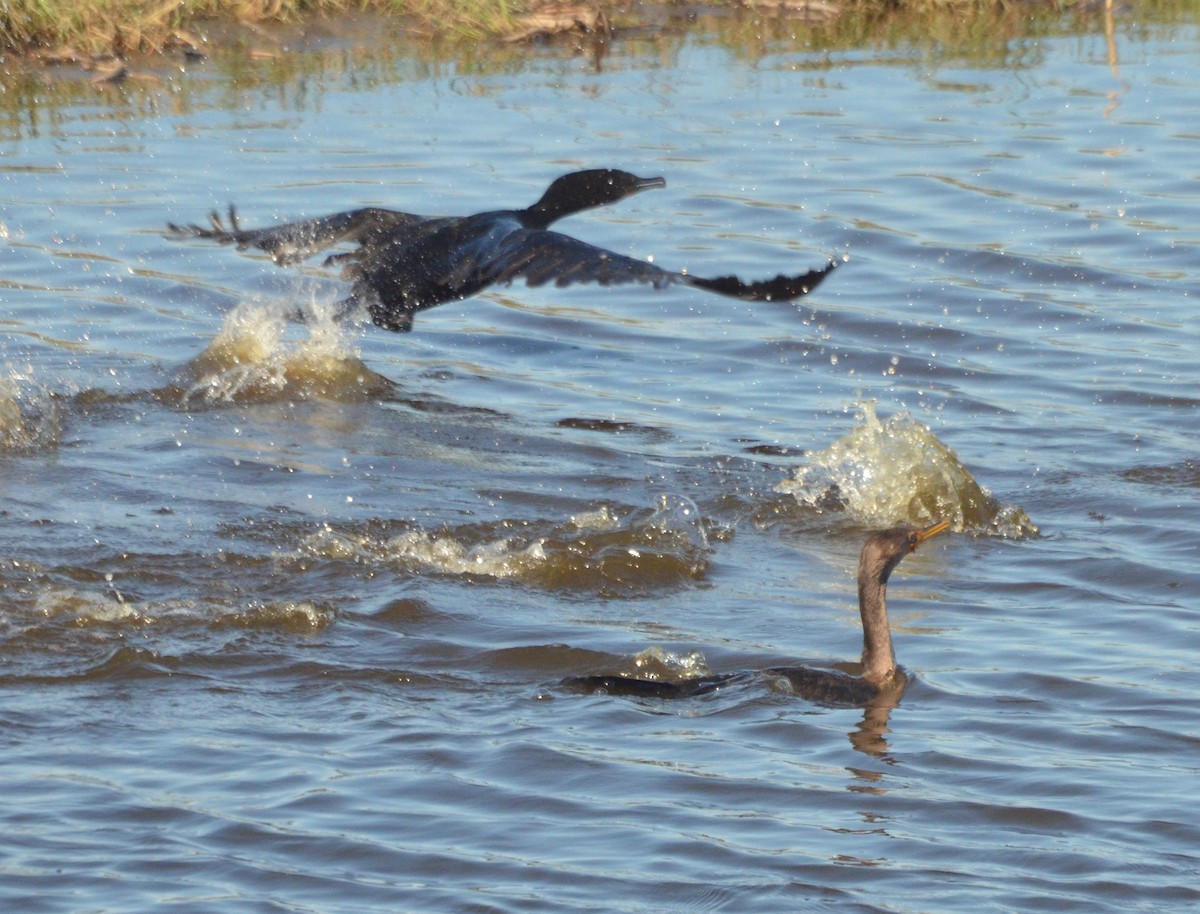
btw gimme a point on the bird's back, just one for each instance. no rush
(419, 265)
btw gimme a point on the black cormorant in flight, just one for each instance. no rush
(406, 263)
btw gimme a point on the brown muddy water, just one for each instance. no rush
(284, 607)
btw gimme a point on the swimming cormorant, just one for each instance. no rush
(880, 675)
(406, 263)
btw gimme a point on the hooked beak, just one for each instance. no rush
(928, 533)
(649, 183)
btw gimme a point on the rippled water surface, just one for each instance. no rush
(285, 607)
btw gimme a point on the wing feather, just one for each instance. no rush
(540, 257)
(294, 241)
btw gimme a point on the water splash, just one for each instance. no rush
(498, 558)
(897, 471)
(87, 609)
(626, 553)
(30, 417)
(253, 358)
(660, 664)
(646, 552)
(674, 526)
(462, 551)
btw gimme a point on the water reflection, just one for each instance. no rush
(870, 736)
(1110, 40)
(305, 64)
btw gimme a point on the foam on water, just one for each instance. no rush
(81, 608)
(628, 552)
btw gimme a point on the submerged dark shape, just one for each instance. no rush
(880, 675)
(406, 263)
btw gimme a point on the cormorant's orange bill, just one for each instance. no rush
(925, 533)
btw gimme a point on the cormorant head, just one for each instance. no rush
(582, 190)
(883, 551)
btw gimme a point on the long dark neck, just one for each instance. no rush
(552, 207)
(878, 657)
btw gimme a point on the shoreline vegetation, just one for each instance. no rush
(58, 29)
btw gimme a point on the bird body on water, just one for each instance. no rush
(405, 263)
(880, 675)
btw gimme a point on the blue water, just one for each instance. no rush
(284, 608)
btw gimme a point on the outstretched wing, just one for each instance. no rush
(540, 257)
(294, 241)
